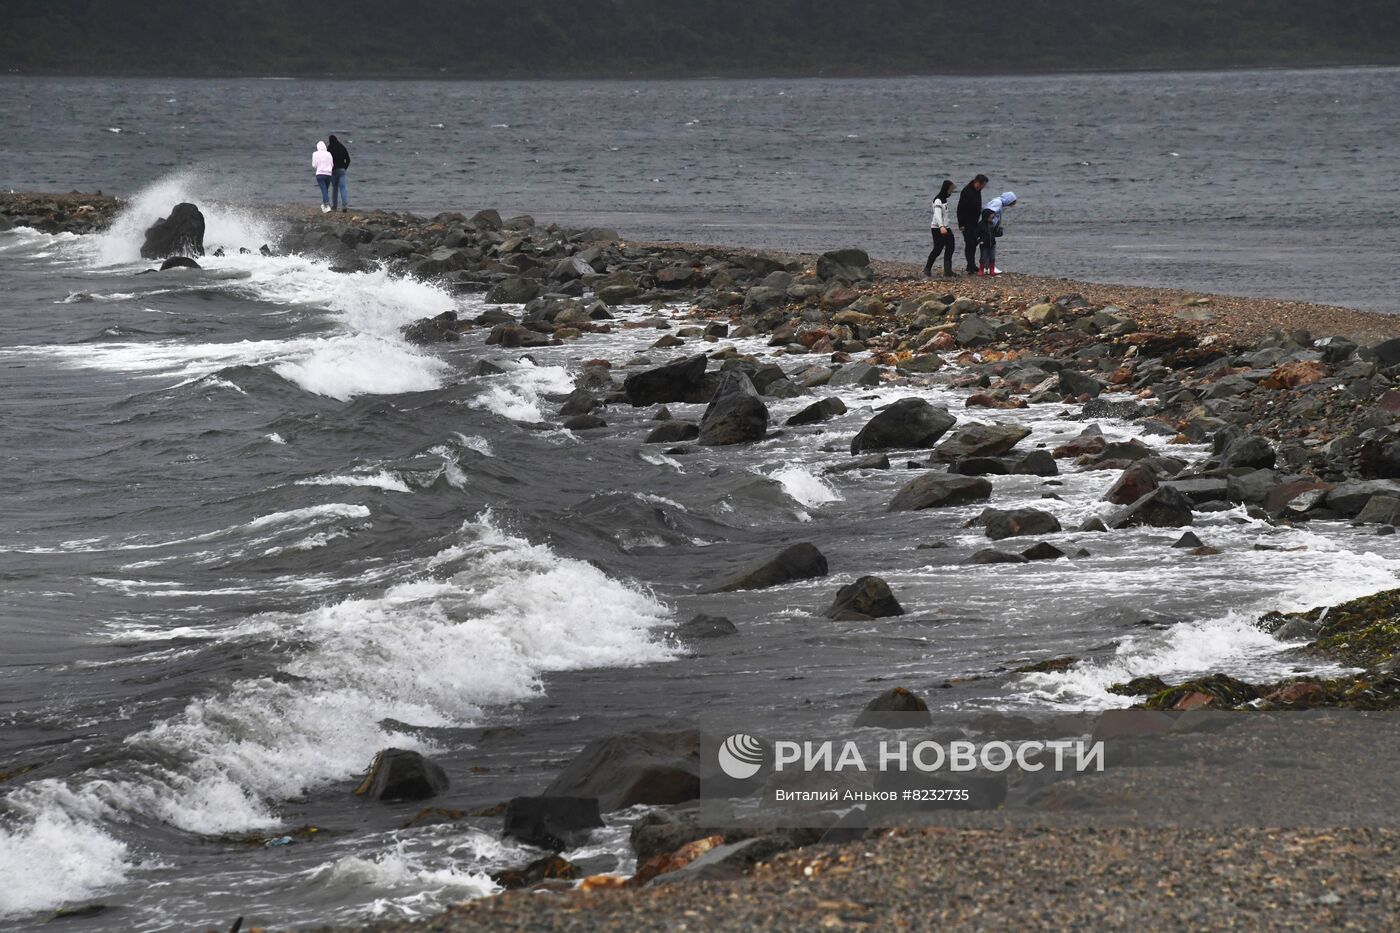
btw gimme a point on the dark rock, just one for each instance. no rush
(982, 440)
(936, 490)
(634, 768)
(579, 402)
(993, 556)
(1016, 523)
(513, 291)
(1248, 451)
(1164, 507)
(868, 462)
(548, 868)
(703, 626)
(975, 331)
(180, 234)
(1135, 482)
(1035, 463)
(897, 708)
(867, 598)
(1349, 498)
(1203, 489)
(981, 466)
(584, 423)
(552, 821)
(1074, 383)
(908, 423)
(178, 262)
(854, 374)
(681, 381)
(824, 410)
(397, 774)
(736, 415)
(673, 432)
(1122, 410)
(1042, 551)
(440, 329)
(1380, 510)
(1189, 540)
(798, 562)
(847, 265)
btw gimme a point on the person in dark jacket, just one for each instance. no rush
(969, 217)
(340, 159)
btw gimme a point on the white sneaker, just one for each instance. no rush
(325, 208)
(996, 272)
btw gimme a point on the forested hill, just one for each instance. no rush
(566, 38)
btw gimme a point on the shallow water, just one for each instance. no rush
(1275, 183)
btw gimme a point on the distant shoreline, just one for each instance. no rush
(796, 75)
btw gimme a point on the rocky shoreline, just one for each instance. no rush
(1297, 402)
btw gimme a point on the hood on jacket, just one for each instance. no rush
(320, 147)
(998, 204)
(1008, 198)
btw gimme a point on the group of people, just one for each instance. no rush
(331, 163)
(980, 226)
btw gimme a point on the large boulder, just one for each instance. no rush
(180, 234)
(552, 822)
(736, 415)
(513, 291)
(398, 774)
(1016, 523)
(848, 265)
(1163, 507)
(1248, 451)
(1074, 383)
(1349, 498)
(440, 329)
(908, 423)
(824, 410)
(623, 771)
(1137, 481)
(673, 432)
(897, 708)
(681, 381)
(938, 490)
(798, 562)
(867, 598)
(982, 440)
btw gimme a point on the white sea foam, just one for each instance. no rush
(805, 487)
(480, 624)
(383, 479)
(517, 394)
(56, 859)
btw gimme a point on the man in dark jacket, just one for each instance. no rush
(969, 216)
(340, 161)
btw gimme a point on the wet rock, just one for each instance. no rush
(980, 466)
(847, 265)
(1380, 510)
(1016, 523)
(1122, 410)
(1203, 489)
(440, 329)
(1349, 498)
(855, 374)
(921, 364)
(1134, 483)
(549, 868)
(736, 415)
(866, 598)
(1074, 383)
(824, 410)
(398, 774)
(1248, 451)
(936, 490)
(1188, 540)
(178, 262)
(761, 298)
(1035, 463)
(552, 821)
(908, 423)
(704, 627)
(868, 462)
(513, 291)
(579, 402)
(1252, 487)
(584, 423)
(681, 381)
(180, 234)
(673, 432)
(1164, 507)
(993, 556)
(897, 708)
(1044, 550)
(798, 562)
(1093, 524)
(982, 440)
(634, 768)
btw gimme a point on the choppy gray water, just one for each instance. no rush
(1276, 183)
(251, 536)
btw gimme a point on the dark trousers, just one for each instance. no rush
(970, 247)
(945, 244)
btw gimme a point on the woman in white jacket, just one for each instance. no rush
(942, 231)
(324, 165)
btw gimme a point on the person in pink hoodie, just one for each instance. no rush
(324, 165)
